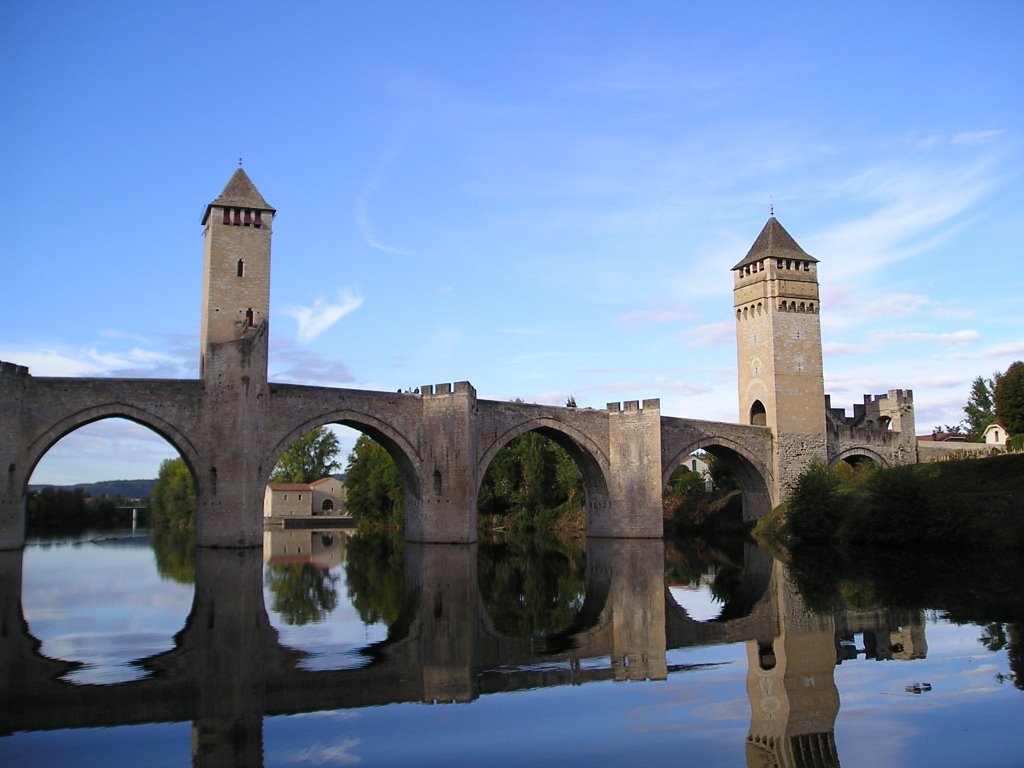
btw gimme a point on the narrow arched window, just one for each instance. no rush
(250, 318)
(758, 415)
(241, 268)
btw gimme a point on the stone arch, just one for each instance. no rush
(49, 437)
(398, 446)
(856, 454)
(751, 473)
(591, 460)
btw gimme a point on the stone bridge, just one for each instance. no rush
(232, 425)
(442, 440)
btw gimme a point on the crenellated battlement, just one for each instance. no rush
(634, 405)
(882, 428)
(13, 370)
(437, 390)
(882, 412)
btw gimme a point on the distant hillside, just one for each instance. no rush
(132, 489)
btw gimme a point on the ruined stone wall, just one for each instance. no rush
(881, 428)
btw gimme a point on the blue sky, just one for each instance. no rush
(541, 198)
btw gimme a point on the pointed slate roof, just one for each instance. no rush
(776, 243)
(240, 192)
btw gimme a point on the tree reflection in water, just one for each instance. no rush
(375, 575)
(175, 554)
(302, 592)
(532, 586)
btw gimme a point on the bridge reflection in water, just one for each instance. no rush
(228, 670)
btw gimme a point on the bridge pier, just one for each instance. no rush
(446, 510)
(231, 478)
(14, 481)
(634, 484)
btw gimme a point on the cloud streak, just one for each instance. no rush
(365, 198)
(314, 320)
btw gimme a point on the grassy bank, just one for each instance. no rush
(975, 504)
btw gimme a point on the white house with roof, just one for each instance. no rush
(697, 462)
(995, 435)
(325, 497)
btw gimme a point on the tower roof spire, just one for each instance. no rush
(240, 192)
(774, 242)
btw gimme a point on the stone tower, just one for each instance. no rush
(236, 265)
(778, 344)
(233, 365)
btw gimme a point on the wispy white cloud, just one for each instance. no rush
(977, 137)
(996, 351)
(712, 334)
(363, 200)
(896, 305)
(645, 317)
(290, 363)
(840, 349)
(914, 208)
(176, 360)
(316, 319)
(956, 337)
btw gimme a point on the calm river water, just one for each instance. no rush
(330, 650)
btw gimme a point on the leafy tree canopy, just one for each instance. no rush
(172, 504)
(1008, 397)
(980, 408)
(376, 493)
(310, 458)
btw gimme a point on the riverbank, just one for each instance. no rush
(971, 504)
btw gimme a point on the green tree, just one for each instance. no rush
(1008, 397)
(172, 503)
(815, 506)
(980, 408)
(532, 482)
(376, 493)
(310, 458)
(684, 482)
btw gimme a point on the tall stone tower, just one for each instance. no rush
(236, 265)
(778, 344)
(233, 365)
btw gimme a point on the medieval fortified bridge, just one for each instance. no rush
(232, 424)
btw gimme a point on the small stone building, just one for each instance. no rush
(324, 497)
